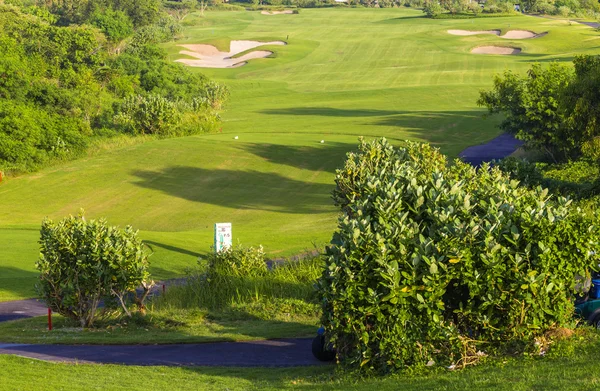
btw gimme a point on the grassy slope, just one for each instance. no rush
(345, 73)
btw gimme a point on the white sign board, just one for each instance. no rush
(223, 238)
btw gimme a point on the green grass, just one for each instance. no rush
(165, 327)
(345, 73)
(576, 370)
(221, 305)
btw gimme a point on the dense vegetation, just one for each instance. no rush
(243, 279)
(555, 111)
(67, 78)
(442, 264)
(83, 263)
(465, 8)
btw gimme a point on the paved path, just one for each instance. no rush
(10, 310)
(18, 309)
(272, 353)
(498, 148)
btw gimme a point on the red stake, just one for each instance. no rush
(164, 288)
(49, 319)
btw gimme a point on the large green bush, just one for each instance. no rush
(84, 262)
(436, 264)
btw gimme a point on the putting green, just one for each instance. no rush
(345, 73)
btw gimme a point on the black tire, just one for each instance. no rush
(319, 350)
(595, 321)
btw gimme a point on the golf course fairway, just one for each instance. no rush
(344, 73)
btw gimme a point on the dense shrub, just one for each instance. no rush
(83, 263)
(151, 114)
(435, 263)
(578, 180)
(237, 261)
(115, 25)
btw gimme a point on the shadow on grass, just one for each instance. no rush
(533, 58)
(435, 127)
(320, 157)
(399, 19)
(151, 244)
(331, 112)
(17, 282)
(237, 189)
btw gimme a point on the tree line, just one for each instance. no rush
(72, 72)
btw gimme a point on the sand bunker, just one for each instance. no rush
(467, 32)
(208, 56)
(521, 34)
(276, 12)
(495, 50)
(512, 34)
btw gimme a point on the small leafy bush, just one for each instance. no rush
(237, 261)
(84, 262)
(437, 263)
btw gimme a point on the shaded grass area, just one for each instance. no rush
(189, 326)
(572, 368)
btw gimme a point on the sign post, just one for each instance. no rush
(223, 238)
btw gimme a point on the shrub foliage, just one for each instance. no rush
(432, 262)
(84, 262)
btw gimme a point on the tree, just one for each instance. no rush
(115, 25)
(554, 109)
(581, 106)
(181, 8)
(83, 263)
(531, 108)
(432, 8)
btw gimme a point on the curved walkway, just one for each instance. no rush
(289, 352)
(498, 148)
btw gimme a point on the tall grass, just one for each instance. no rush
(244, 278)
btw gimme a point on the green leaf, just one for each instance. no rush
(433, 269)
